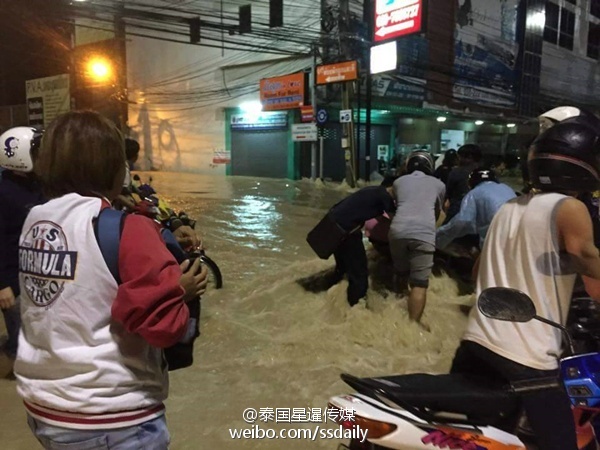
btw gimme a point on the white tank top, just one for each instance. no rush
(521, 251)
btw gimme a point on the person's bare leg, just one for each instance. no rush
(416, 303)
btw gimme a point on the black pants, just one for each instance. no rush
(548, 411)
(351, 260)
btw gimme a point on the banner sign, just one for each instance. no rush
(262, 121)
(397, 18)
(486, 52)
(47, 98)
(286, 92)
(335, 73)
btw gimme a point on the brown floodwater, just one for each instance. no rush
(267, 341)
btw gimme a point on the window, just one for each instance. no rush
(567, 29)
(552, 20)
(559, 28)
(595, 8)
(593, 47)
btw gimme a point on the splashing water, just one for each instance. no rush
(270, 339)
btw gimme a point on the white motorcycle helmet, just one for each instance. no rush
(16, 146)
(562, 113)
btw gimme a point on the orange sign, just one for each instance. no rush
(307, 113)
(335, 73)
(286, 92)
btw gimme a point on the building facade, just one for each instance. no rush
(187, 78)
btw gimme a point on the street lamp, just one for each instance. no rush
(99, 69)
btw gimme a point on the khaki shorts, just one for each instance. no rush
(413, 258)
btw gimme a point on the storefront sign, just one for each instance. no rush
(47, 98)
(302, 132)
(286, 92)
(409, 89)
(221, 157)
(265, 120)
(485, 53)
(307, 113)
(397, 18)
(335, 73)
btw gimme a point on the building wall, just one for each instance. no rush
(567, 72)
(178, 92)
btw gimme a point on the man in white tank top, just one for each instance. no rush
(538, 243)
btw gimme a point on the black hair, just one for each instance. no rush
(388, 181)
(132, 148)
(450, 158)
(470, 151)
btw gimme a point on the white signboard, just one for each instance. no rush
(383, 151)
(304, 132)
(47, 98)
(346, 116)
(384, 57)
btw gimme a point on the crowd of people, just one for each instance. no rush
(538, 242)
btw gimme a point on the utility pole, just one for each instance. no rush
(348, 144)
(368, 16)
(313, 102)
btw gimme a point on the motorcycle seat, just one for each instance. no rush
(452, 393)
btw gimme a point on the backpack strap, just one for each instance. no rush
(108, 228)
(173, 246)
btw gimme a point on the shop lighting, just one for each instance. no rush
(510, 125)
(251, 107)
(479, 122)
(441, 119)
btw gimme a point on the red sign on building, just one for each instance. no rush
(307, 113)
(397, 18)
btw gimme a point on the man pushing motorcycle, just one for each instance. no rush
(538, 243)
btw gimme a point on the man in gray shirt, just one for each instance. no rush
(419, 198)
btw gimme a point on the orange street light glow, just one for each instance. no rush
(99, 69)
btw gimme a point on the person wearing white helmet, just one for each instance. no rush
(19, 191)
(538, 243)
(572, 114)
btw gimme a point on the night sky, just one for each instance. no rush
(33, 44)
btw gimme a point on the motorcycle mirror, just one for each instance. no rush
(506, 304)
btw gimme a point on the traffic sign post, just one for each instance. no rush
(304, 132)
(322, 117)
(337, 73)
(346, 116)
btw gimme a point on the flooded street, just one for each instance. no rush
(266, 341)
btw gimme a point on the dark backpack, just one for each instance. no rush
(108, 228)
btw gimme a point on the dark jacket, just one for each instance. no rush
(457, 187)
(17, 196)
(365, 204)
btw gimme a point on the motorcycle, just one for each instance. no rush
(150, 204)
(422, 411)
